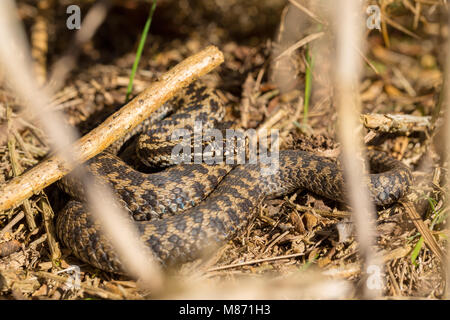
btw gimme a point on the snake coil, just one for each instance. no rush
(184, 210)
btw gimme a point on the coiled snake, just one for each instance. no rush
(187, 208)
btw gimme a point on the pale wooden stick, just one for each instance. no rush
(446, 266)
(116, 126)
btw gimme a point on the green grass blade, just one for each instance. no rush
(308, 83)
(139, 50)
(416, 251)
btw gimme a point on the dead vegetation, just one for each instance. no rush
(295, 240)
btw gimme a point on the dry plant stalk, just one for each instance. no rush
(11, 224)
(308, 12)
(430, 241)
(116, 126)
(17, 170)
(447, 149)
(47, 217)
(39, 41)
(347, 70)
(299, 44)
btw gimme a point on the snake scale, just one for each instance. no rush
(185, 209)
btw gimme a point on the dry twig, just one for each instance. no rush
(246, 263)
(17, 170)
(300, 44)
(112, 128)
(47, 217)
(307, 11)
(395, 123)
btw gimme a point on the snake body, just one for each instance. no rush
(188, 209)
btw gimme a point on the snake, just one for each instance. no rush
(185, 210)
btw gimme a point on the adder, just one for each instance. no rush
(188, 208)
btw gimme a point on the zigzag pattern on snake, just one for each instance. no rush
(189, 208)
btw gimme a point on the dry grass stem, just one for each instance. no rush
(446, 150)
(12, 223)
(399, 27)
(17, 170)
(347, 72)
(424, 230)
(246, 263)
(299, 44)
(47, 217)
